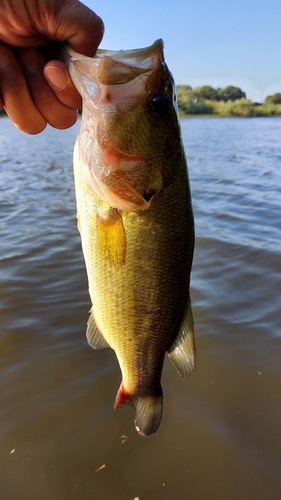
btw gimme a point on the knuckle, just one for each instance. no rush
(7, 58)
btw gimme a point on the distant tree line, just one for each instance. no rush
(229, 101)
(229, 93)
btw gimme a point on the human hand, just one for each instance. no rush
(35, 87)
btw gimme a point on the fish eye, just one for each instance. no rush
(160, 104)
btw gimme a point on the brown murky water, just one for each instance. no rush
(220, 437)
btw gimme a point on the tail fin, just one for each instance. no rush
(148, 410)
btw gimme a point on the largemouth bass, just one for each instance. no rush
(135, 218)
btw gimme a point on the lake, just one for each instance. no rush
(220, 436)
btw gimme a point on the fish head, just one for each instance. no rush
(129, 132)
(138, 101)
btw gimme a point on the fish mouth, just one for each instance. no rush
(133, 53)
(116, 67)
(120, 67)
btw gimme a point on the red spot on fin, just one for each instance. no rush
(122, 398)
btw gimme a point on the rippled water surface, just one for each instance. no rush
(220, 437)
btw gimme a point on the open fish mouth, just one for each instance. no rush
(138, 56)
(120, 67)
(117, 77)
(116, 67)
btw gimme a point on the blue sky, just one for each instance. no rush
(207, 42)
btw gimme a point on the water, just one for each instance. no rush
(220, 436)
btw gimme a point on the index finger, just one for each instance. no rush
(74, 23)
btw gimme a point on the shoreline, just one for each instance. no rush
(198, 115)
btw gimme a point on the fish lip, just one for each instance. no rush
(68, 55)
(121, 55)
(118, 67)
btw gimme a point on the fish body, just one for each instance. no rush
(135, 219)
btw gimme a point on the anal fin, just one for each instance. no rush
(78, 222)
(182, 350)
(94, 337)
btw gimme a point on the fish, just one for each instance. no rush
(135, 219)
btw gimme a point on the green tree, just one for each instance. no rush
(205, 92)
(230, 93)
(188, 104)
(273, 99)
(183, 88)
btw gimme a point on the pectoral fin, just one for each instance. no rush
(182, 350)
(94, 337)
(112, 241)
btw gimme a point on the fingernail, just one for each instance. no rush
(56, 77)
